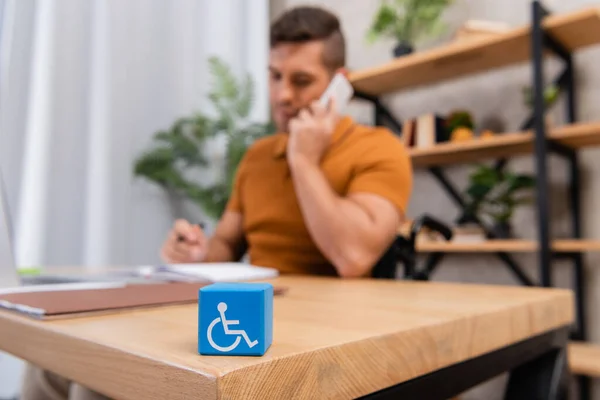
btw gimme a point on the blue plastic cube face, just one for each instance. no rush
(235, 319)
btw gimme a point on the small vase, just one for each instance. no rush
(502, 230)
(402, 49)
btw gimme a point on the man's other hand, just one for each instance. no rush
(310, 133)
(186, 243)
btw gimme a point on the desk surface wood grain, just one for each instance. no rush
(332, 339)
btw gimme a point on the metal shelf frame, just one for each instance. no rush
(541, 42)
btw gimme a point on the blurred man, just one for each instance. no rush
(323, 196)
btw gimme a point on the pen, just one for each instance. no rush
(180, 238)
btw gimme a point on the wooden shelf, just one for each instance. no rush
(461, 58)
(574, 30)
(503, 145)
(584, 359)
(511, 246)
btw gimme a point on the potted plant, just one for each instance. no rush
(459, 126)
(497, 194)
(407, 21)
(178, 152)
(550, 92)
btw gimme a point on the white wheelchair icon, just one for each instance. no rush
(222, 307)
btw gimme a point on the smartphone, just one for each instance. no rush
(340, 89)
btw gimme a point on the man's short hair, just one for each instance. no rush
(308, 23)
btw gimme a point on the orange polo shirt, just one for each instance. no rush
(359, 159)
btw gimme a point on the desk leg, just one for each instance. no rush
(537, 365)
(544, 378)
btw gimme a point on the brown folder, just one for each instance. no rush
(59, 304)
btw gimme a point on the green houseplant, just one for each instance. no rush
(459, 119)
(178, 153)
(550, 92)
(497, 194)
(550, 95)
(407, 21)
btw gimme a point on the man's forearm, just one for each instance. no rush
(219, 250)
(338, 226)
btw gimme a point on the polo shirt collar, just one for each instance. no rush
(343, 127)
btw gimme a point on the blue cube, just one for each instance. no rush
(235, 319)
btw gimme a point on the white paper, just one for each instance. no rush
(212, 272)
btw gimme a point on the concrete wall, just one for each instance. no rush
(495, 95)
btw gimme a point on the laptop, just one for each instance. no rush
(11, 280)
(8, 272)
(10, 277)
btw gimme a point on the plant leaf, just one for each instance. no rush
(384, 21)
(179, 149)
(224, 83)
(408, 20)
(246, 98)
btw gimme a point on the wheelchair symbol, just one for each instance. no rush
(222, 307)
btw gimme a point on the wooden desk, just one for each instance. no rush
(332, 339)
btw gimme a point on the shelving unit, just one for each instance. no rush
(573, 136)
(584, 358)
(574, 31)
(510, 246)
(546, 36)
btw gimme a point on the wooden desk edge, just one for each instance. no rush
(85, 362)
(318, 376)
(324, 372)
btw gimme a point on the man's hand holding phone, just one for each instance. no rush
(311, 130)
(310, 133)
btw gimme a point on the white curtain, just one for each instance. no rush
(84, 85)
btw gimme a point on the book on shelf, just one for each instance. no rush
(408, 133)
(424, 131)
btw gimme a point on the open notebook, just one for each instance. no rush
(180, 285)
(69, 303)
(208, 272)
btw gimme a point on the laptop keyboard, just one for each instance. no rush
(48, 280)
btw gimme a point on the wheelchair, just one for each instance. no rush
(404, 251)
